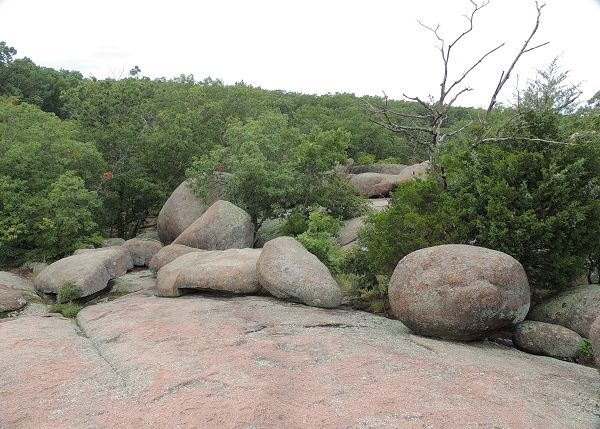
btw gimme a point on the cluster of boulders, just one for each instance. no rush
(456, 292)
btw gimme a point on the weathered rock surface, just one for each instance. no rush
(183, 207)
(379, 204)
(378, 168)
(595, 341)
(270, 229)
(349, 232)
(288, 271)
(547, 339)
(575, 308)
(11, 299)
(111, 242)
(459, 292)
(168, 254)
(371, 184)
(252, 362)
(90, 270)
(15, 281)
(232, 270)
(223, 226)
(133, 281)
(142, 251)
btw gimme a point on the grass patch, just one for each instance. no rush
(69, 309)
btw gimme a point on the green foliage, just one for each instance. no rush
(46, 207)
(295, 223)
(68, 292)
(69, 309)
(585, 349)
(318, 238)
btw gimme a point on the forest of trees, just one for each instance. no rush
(82, 158)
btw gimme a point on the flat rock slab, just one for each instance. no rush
(254, 362)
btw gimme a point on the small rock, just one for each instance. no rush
(142, 251)
(223, 226)
(168, 254)
(349, 232)
(10, 299)
(547, 339)
(111, 242)
(289, 271)
(575, 308)
(458, 292)
(232, 270)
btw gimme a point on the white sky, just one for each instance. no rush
(311, 46)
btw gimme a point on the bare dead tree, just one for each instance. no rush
(426, 129)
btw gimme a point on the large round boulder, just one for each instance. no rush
(15, 281)
(575, 308)
(89, 269)
(183, 207)
(459, 292)
(374, 184)
(270, 229)
(378, 168)
(142, 251)
(547, 339)
(168, 254)
(288, 271)
(223, 226)
(10, 299)
(595, 341)
(232, 270)
(349, 232)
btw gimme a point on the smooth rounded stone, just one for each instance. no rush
(10, 299)
(595, 341)
(133, 281)
(288, 271)
(14, 281)
(379, 204)
(110, 242)
(459, 292)
(142, 251)
(90, 269)
(232, 270)
(270, 229)
(547, 339)
(168, 254)
(349, 232)
(183, 207)
(575, 308)
(223, 226)
(378, 168)
(381, 184)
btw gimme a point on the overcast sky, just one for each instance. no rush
(311, 46)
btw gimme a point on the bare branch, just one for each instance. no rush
(462, 91)
(421, 102)
(526, 139)
(464, 75)
(461, 129)
(524, 49)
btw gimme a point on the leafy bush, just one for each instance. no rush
(68, 292)
(585, 349)
(318, 239)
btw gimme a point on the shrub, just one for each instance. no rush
(68, 292)
(68, 310)
(318, 238)
(585, 349)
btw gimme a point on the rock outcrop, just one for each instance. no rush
(142, 251)
(288, 271)
(15, 281)
(111, 242)
(547, 339)
(223, 226)
(371, 184)
(232, 270)
(90, 270)
(458, 292)
(575, 308)
(349, 232)
(11, 299)
(245, 361)
(595, 341)
(270, 229)
(183, 207)
(378, 168)
(168, 254)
